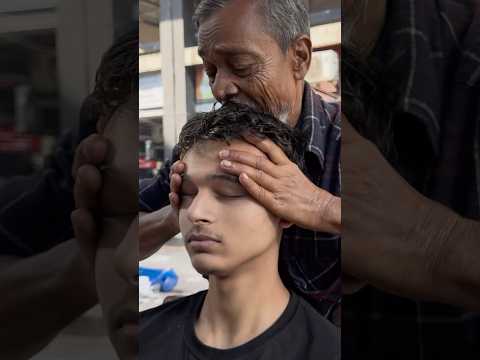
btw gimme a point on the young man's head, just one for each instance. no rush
(246, 44)
(116, 253)
(224, 228)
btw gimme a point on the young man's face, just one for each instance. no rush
(116, 262)
(224, 228)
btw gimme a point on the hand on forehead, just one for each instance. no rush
(210, 149)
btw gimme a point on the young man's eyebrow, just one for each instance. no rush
(226, 177)
(217, 176)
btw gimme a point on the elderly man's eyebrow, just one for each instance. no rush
(229, 50)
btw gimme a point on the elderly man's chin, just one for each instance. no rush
(282, 114)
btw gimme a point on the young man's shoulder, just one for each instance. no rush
(169, 317)
(162, 328)
(177, 308)
(326, 335)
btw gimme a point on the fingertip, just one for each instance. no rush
(177, 179)
(90, 177)
(96, 149)
(177, 168)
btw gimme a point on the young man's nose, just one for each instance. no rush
(223, 88)
(201, 209)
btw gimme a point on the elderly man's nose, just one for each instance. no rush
(126, 255)
(223, 88)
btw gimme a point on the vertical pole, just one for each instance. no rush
(173, 71)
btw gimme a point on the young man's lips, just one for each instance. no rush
(201, 238)
(202, 243)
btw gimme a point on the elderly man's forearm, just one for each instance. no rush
(155, 229)
(458, 261)
(329, 215)
(449, 246)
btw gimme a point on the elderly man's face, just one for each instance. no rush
(244, 63)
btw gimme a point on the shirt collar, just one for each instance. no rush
(313, 123)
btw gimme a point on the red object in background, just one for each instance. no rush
(13, 142)
(147, 164)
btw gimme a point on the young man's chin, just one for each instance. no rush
(205, 266)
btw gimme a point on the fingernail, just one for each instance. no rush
(224, 153)
(226, 163)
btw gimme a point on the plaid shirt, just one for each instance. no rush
(435, 46)
(309, 261)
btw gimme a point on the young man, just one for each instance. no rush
(247, 312)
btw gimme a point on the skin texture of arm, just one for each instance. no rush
(400, 241)
(155, 229)
(41, 295)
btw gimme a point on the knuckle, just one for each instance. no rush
(259, 174)
(233, 155)
(259, 162)
(262, 194)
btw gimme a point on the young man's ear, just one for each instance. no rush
(301, 55)
(284, 224)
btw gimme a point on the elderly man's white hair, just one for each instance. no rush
(285, 20)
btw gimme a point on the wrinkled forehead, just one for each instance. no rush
(237, 27)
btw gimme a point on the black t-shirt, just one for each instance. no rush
(301, 333)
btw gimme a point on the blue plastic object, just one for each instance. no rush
(166, 279)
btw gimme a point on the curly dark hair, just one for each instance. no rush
(232, 120)
(117, 77)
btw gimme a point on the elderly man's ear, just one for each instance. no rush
(301, 55)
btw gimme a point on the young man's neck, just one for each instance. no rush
(240, 307)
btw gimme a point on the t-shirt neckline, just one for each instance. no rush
(203, 351)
